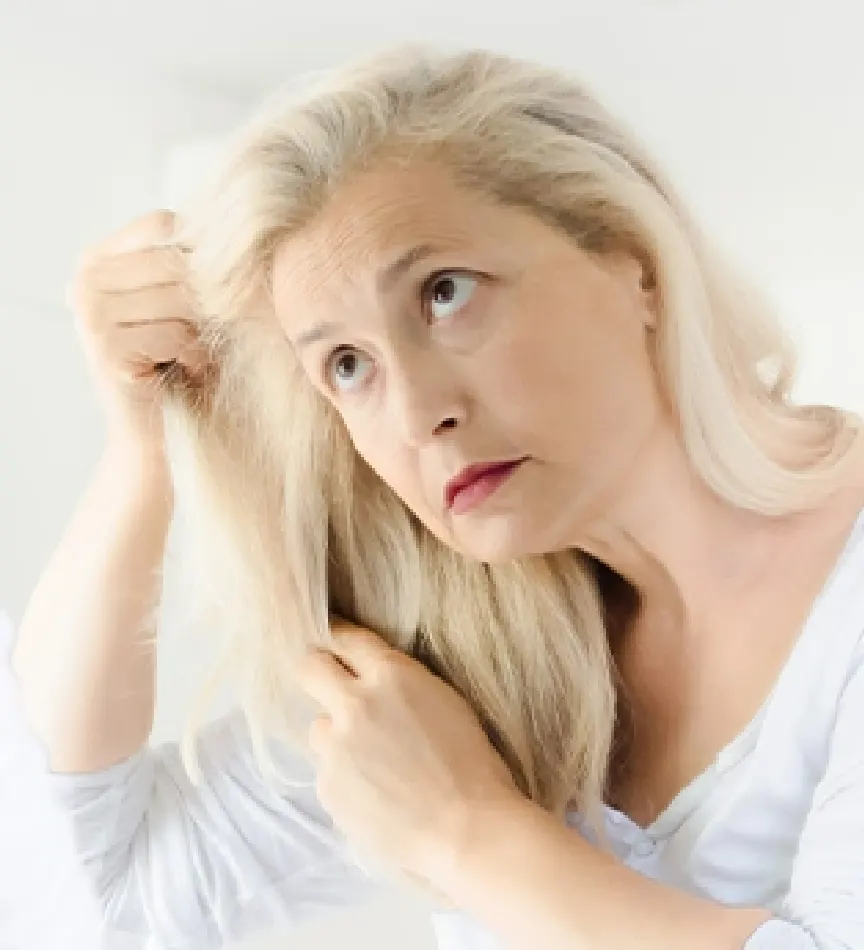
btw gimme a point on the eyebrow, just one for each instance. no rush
(390, 275)
(385, 280)
(315, 334)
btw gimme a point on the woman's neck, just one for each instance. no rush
(681, 547)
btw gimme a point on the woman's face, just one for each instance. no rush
(451, 332)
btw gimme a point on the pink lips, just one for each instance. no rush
(476, 483)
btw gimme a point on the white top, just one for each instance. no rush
(777, 821)
(37, 865)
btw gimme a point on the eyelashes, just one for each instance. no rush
(451, 290)
(457, 289)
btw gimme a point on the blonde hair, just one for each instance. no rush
(288, 526)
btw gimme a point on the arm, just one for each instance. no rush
(188, 865)
(36, 867)
(204, 865)
(536, 883)
(84, 655)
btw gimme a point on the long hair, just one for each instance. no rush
(287, 526)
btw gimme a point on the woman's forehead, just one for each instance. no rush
(367, 226)
(384, 215)
(377, 211)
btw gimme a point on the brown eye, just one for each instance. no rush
(346, 368)
(445, 290)
(447, 293)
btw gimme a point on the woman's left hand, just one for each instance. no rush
(402, 760)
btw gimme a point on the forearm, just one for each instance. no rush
(85, 668)
(536, 883)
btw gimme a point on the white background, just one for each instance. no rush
(754, 107)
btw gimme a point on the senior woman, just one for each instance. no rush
(487, 452)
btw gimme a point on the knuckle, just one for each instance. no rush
(83, 301)
(95, 311)
(389, 673)
(82, 290)
(162, 222)
(82, 275)
(357, 706)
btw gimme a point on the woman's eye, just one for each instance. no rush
(346, 369)
(446, 294)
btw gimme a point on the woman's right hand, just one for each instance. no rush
(136, 322)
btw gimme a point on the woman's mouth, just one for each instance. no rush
(474, 484)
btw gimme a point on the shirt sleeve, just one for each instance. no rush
(824, 909)
(37, 870)
(198, 866)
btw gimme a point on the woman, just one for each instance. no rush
(445, 359)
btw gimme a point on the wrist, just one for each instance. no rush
(139, 468)
(473, 829)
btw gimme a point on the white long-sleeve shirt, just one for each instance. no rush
(777, 821)
(37, 864)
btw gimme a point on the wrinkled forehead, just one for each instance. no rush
(369, 223)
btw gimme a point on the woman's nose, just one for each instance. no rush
(425, 401)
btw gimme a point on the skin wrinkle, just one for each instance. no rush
(493, 369)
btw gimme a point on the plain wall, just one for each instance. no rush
(79, 156)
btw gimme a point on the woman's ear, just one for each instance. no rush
(650, 297)
(637, 278)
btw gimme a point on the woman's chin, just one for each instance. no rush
(499, 540)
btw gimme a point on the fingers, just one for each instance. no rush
(138, 322)
(137, 269)
(146, 348)
(357, 663)
(156, 303)
(149, 230)
(326, 679)
(137, 311)
(361, 649)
